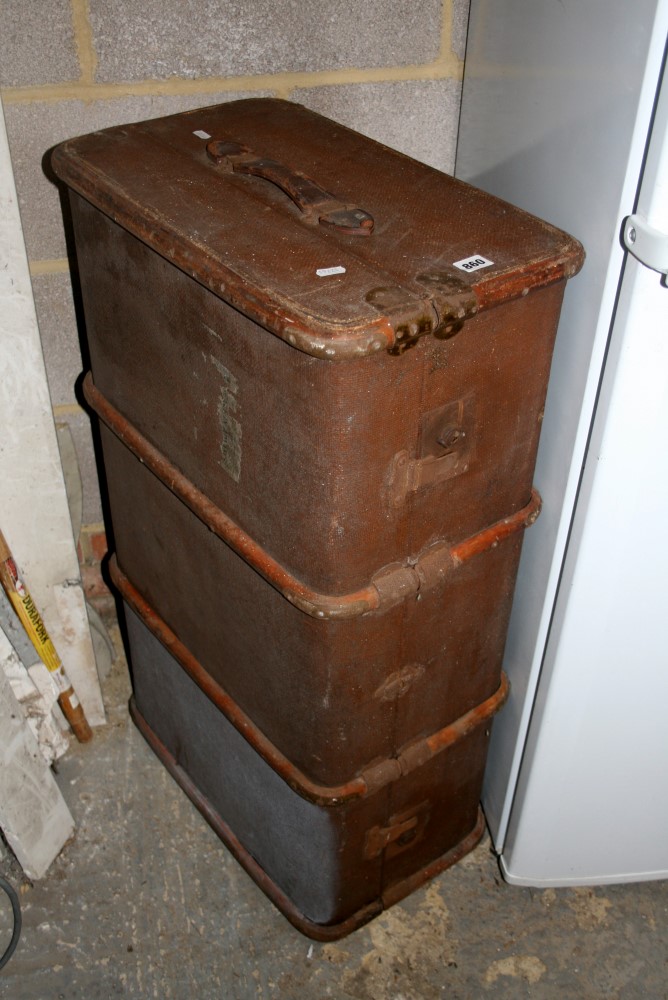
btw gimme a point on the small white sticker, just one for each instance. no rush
(324, 272)
(201, 135)
(474, 263)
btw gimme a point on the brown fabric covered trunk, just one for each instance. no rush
(320, 369)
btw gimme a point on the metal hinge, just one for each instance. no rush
(447, 303)
(648, 244)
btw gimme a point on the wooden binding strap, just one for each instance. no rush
(369, 780)
(387, 588)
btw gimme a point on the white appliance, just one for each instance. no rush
(564, 113)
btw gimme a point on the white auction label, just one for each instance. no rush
(201, 135)
(474, 263)
(324, 272)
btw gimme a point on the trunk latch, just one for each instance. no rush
(445, 450)
(402, 831)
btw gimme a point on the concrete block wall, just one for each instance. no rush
(389, 68)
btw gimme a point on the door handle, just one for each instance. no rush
(648, 244)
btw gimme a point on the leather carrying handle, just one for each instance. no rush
(309, 197)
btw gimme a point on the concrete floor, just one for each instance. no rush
(146, 902)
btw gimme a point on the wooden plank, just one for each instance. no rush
(33, 501)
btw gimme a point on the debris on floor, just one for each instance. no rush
(146, 902)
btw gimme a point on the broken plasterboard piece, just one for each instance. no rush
(34, 816)
(36, 694)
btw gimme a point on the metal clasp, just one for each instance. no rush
(403, 831)
(445, 450)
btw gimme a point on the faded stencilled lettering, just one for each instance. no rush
(229, 421)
